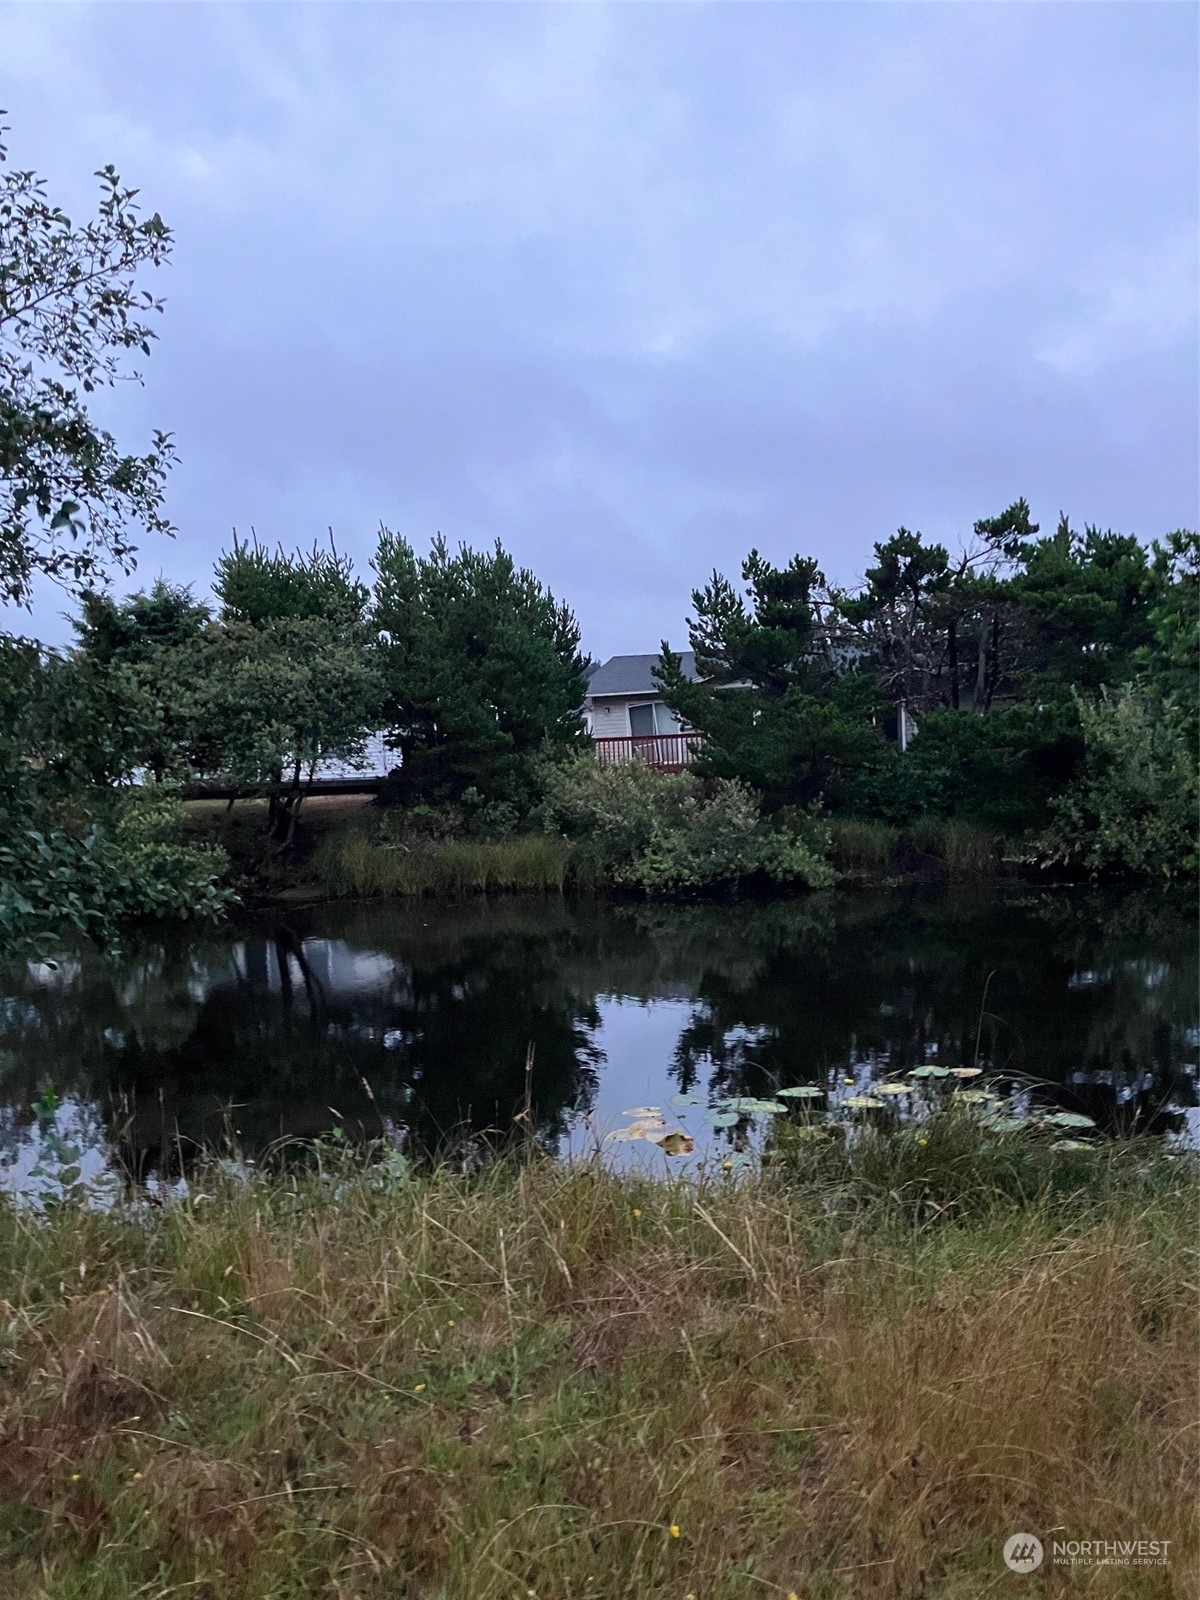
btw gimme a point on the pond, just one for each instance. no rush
(429, 1020)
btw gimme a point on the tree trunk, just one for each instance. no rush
(952, 663)
(993, 662)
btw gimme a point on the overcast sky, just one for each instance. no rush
(635, 288)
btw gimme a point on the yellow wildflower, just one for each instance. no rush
(637, 1211)
(674, 1530)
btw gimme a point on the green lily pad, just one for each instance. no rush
(679, 1101)
(747, 1105)
(722, 1119)
(643, 1111)
(1068, 1119)
(891, 1088)
(801, 1091)
(929, 1072)
(1070, 1144)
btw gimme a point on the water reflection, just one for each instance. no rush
(421, 1019)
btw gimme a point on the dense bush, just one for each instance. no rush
(671, 830)
(998, 771)
(1132, 807)
(92, 869)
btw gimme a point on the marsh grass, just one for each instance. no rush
(355, 864)
(349, 1381)
(872, 849)
(968, 850)
(857, 846)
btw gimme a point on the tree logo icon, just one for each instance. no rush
(1023, 1552)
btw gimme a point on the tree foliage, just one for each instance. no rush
(1014, 657)
(71, 313)
(81, 845)
(482, 669)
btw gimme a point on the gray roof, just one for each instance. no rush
(633, 674)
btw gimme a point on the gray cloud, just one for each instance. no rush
(635, 288)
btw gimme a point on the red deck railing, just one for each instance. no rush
(667, 750)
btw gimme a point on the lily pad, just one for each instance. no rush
(1070, 1144)
(929, 1072)
(801, 1091)
(680, 1101)
(1068, 1119)
(966, 1072)
(676, 1143)
(643, 1111)
(748, 1105)
(722, 1119)
(972, 1097)
(892, 1088)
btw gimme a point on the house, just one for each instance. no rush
(627, 718)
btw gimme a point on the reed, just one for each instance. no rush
(967, 850)
(355, 865)
(858, 846)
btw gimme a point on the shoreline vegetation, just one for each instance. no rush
(347, 848)
(853, 1373)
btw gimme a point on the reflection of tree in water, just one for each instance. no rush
(435, 1006)
(280, 1041)
(1089, 996)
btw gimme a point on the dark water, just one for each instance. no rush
(420, 1018)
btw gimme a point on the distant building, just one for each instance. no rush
(627, 717)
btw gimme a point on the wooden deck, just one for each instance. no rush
(668, 751)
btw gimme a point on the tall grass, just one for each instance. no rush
(967, 850)
(858, 846)
(561, 1382)
(353, 864)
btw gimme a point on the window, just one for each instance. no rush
(652, 718)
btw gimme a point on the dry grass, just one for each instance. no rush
(561, 1383)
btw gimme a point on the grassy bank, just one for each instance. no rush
(354, 864)
(346, 847)
(561, 1383)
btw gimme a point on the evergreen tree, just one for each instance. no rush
(482, 669)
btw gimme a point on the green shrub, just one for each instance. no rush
(124, 859)
(1132, 807)
(659, 831)
(999, 771)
